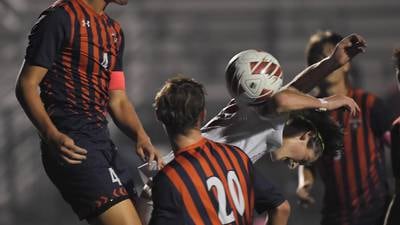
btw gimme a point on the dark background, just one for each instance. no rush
(194, 38)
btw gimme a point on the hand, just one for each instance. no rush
(145, 149)
(348, 48)
(338, 101)
(68, 151)
(396, 121)
(303, 193)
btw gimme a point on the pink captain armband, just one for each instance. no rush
(117, 81)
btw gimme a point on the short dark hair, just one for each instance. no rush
(179, 103)
(315, 46)
(328, 137)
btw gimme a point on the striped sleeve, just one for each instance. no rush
(167, 202)
(47, 37)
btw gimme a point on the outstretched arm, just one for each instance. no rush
(344, 51)
(28, 97)
(292, 99)
(125, 117)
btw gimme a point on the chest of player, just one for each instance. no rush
(94, 40)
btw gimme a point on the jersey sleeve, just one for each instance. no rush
(266, 195)
(380, 118)
(120, 54)
(47, 37)
(167, 202)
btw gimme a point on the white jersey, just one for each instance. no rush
(245, 128)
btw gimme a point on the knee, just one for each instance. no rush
(284, 208)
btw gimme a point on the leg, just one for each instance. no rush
(123, 213)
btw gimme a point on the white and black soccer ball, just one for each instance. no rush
(252, 76)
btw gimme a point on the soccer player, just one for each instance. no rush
(393, 213)
(75, 56)
(356, 191)
(207, 182)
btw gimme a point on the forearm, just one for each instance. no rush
(314, 74)
(28, 97)
(305, 176)
(291, 100)
(125, 117)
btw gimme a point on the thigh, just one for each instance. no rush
(91, 188)
(123, 213)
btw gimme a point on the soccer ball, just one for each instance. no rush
(252, 76)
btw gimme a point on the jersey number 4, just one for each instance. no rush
(114, 177)
(235, 191)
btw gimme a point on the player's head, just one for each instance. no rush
(307, 135)
(396, 58)
(321, 45)
(119, 2)
(179, 105)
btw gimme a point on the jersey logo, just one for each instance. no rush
(85, 23)
(115, 38)
(104, 63)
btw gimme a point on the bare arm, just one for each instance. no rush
(306, 181)
(344, 51)
(126, 118)
(290, 100)
(27, 94)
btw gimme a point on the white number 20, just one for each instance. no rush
(237, 197)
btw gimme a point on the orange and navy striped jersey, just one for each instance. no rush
(80, 48)
(206, 183)
(355, 179)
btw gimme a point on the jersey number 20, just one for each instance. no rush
(237, 196)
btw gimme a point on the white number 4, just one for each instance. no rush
(114, 177)
(237, 197)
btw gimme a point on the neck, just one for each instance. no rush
(339, 88)
(97, 5)
(179, 141)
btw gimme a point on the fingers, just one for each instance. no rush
(140, 153)
(70, 156)
(397, 121)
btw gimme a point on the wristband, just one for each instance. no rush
(323, 102)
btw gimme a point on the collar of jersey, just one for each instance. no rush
(199, 143)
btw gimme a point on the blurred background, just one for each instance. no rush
(194, 38)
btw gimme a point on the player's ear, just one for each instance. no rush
(306, 135)
(202, 116)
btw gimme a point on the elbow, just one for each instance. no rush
(282, 103)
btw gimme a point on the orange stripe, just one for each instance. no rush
(222, 177)
(241, 176)
(200, 188)
(243, 183)
(188, 201)
(361, 148)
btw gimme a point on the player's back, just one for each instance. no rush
(206, 183)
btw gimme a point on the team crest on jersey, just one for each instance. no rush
(104, 63)
(115, 37)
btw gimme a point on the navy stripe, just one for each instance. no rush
(196, 164)
(76, 54)
(193, 192)
(225, 172)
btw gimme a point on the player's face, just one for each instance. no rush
(296, 151)
(119, 2)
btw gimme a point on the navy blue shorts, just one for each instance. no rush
(101, 181)
(266, 195)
